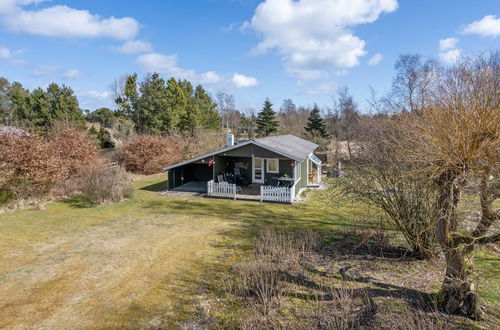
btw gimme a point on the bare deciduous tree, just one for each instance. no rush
(348, 116)
(454, 140)
(413, 82)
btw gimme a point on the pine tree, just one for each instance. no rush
(267, 123)
(316, 124)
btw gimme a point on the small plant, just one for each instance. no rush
(106, 185)
(260, 279)
(284, 246)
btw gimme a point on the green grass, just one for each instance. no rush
(134, 263)
(144, 261)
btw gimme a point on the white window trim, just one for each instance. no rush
(277, 166)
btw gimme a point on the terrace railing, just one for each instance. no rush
(277, 194)
(222, 189)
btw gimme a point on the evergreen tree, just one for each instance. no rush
(267, 124)
(177, 103)
(152, 110)
(316, 125)
(164, 108)
(210, 118)
(127, 97)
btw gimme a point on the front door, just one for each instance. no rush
(258, 170)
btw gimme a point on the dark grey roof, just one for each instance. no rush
(289, 145)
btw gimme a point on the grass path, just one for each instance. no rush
(139, 263)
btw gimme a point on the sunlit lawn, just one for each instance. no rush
(139, 263)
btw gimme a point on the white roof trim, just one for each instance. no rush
(228, 149)
(314, 159)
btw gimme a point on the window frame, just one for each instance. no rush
(277, 165)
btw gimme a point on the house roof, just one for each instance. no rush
(289, 146)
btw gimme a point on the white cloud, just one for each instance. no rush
(133, 47)
(314, 36)
(447, 44)
(449, 53)
(94, 99)
(450, 56)
(5, 53)
(45, 71)
(94, 94)
(375, 59)
(211, 77)
(242, 81)
(167, 64)
(63, 21)
(72, 74)
(488, 26)
(324, 88)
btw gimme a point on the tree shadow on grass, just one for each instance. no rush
(77, 202)
(156, 187)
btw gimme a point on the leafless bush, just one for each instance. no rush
(106, 185)
(346, 309)
(379, 178)
(260, 279)
(284, 246)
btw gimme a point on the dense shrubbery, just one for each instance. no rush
(31, 165)
(147, 154)
(105, 185)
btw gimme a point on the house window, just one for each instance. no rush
(273, 166)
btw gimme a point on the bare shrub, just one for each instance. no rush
(284, 246)
(347, 309)
(203, 142)
(260, 279)
(148, 154)
(106, 185)
(379, 178)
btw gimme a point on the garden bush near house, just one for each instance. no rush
(104, 185)
(148, 154)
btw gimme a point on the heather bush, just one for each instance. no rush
(104, 185)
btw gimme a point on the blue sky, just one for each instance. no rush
(303, 50)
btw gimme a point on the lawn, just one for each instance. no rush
(142, 262)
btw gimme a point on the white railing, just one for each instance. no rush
(223, 189)
(277, 194)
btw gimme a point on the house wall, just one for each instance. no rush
(284, 168)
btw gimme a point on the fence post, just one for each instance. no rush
(234, 191)
(261, 193)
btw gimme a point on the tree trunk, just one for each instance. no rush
(457, 295)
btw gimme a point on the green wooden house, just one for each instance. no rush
(274, 168)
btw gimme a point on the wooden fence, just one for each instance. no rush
(226, 190)
(277, 194)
